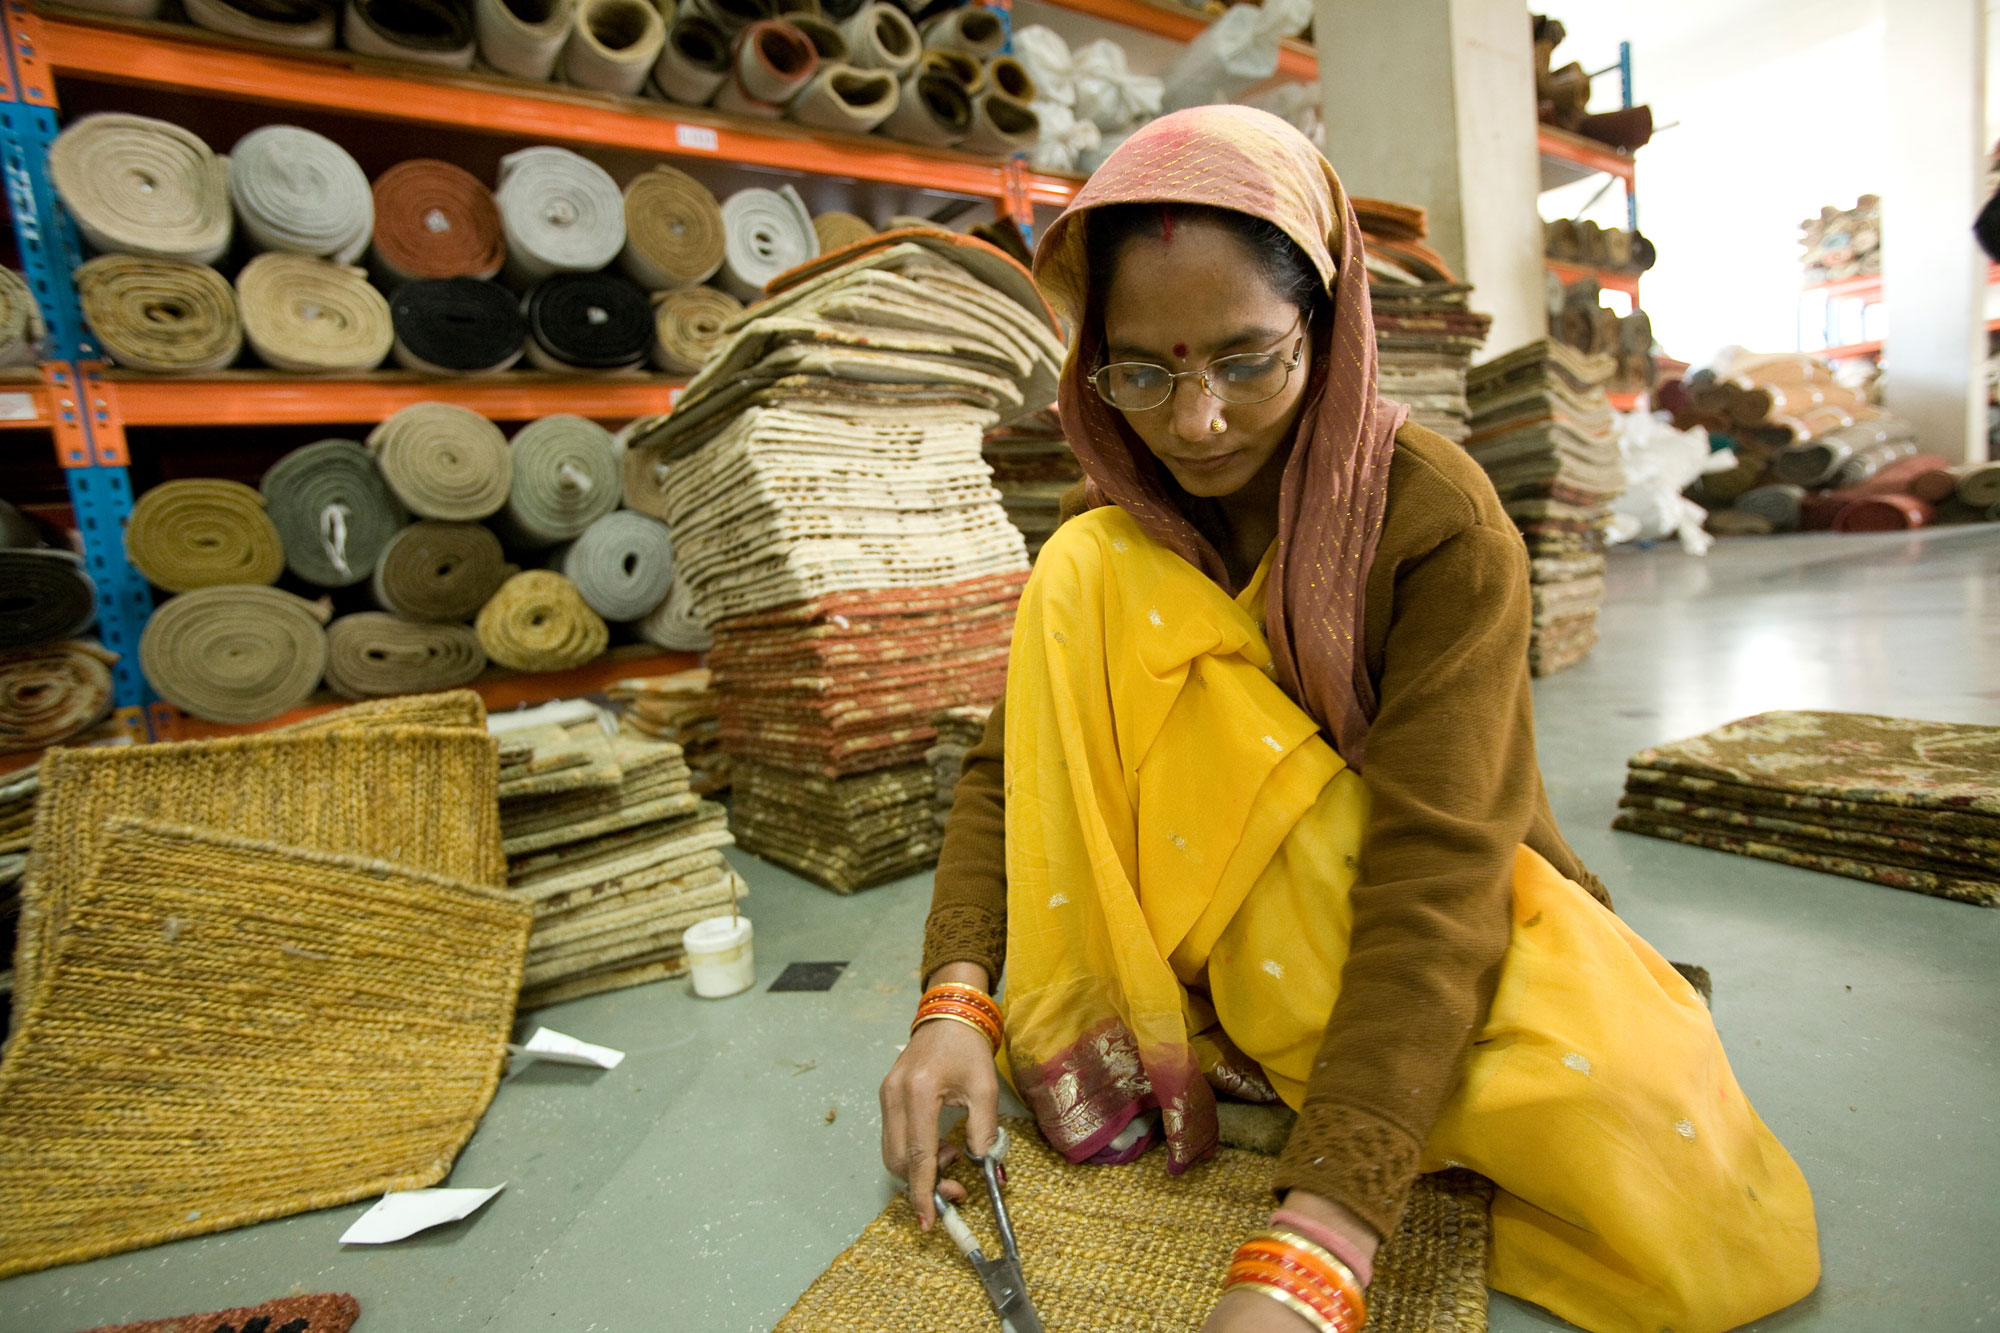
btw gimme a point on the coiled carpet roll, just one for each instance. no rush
(300, 193)
(1978, 484)
(1001, 126)
(143, 187)
(566, 477)
(199, 533)
(613, 44)
(1810, 465)
(440, 571)
(975, 30)
(673, 230)
(436, 220)
(774, 60)
(539, 622)
(167, 316)
(457, 326)
(425, 32)
(688, 325)
(21, 326)
(837, 231)
(371, 653)
(694, 63)
(305, 24)
(1883, 513)
(623, 565)
(44, 596)
(732, 16)
(49, 694)
(333, 511)
(443, 461)
(767, 233)
(824, 33)
(1779, 503)
(306, 314)
(673, 625)
(841, 97)
(523, 38)
(234, 654)
(588, 321)
(881, 36)
(562, 214)
(932, 109)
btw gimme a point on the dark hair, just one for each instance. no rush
(1109, 229)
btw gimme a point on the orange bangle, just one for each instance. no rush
(980, 1028)
(1330, 1265)
(1301, 1298)
(963, 994)
(1289, 1267)
(961, 1004)
(1302, 1281)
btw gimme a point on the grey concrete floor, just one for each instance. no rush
(704, 1183)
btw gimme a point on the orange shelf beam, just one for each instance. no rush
(1611, 280)
(1296, 59)
(1868, 287)
(1851, 350)
(1564, 146)
(257, 398)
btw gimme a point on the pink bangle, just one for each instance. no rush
(1326, 1238)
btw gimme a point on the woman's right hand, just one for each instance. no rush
(945, 1064)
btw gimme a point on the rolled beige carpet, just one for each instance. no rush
(881, 36)
(21, 326)
(688, 326)
(443, 461)
(306, 24)
(613, 45)
(734, 15)
(673, 625)
(199, 533)
(1001, 126)
(975, 30)
(234, 654)
(423, 32)
(774, 60)
(694, 64)
(165, 316)
(841, 97)
(300, 193)
(562, 214)
(1978, 484)
(730, 97)
(333, 511)
(673, 230)
(539, 622)
(51, 693)
(524, 38)
(306, 314)
(960, 68)
(440, 571)
(1010, 78)
(824, 33)
(436, 220)
(933, 109)
(372, 653)
(768, 232)
(837, 230)
(623, 565)
(566, 477)
(143, 187)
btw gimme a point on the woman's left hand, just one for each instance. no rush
(1242, 1311)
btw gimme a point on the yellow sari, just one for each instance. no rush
(1181, 843)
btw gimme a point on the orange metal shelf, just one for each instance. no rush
(1611, 280)
(1868, 287)
(186, 60)
(1625, 402)
(1563, 146)
(1851, 350)
(259, 398)
(1296, 59)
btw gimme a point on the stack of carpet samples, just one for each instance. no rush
(840, 534)
(1896, 801)
(958, 730)
(1842, 243)
(17, 819)
(1544, 431)
(1426, 333)
(611, 848)
(681, 708)
(1034, 468)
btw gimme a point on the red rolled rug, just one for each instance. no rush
(1883, 513)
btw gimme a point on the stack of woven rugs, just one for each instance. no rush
(1426, 333)
(839, 532)
(1034, 468)
(1911, 804)
(958, 730)
(609, 844)
(681, 708)
(17, 819)
(1545, 433)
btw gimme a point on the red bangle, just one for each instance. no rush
(1327, 1239)
(960, 1003)
(1290, 1266)
(1303, 1299)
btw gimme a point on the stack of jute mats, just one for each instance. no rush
(611, 848)
(255, 976)
(681, 708)
(1034, 468)
(1544, 431)
(1910, 804)
(840, 533)
(958, 730)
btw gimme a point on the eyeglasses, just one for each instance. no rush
(1247, 377)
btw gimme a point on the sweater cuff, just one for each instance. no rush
(961, 932)
(1354, 1158)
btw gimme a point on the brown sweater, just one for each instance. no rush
(1455, 787)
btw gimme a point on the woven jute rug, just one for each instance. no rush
(1133, 1250)
(228, 1030)
(289, 1314)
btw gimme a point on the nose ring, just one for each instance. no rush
(1215, 426)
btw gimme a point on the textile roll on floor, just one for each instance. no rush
(623, 565)
(1033, 467)
(306, 314)
(443, 461)
(1909, 804)
(143, 187)
(166, 316)
(674, 624)
(423, 32)
(565, 479)
(440, 571)
(539, 622)
(589, 322)
(457, 326)
(688, 325)
(300, 193)
(673, 231)
(192, 534)
(681, 708)
(333, 512)
(48, 597)
(371, 654)
(49, 694)
(436, 220)
(234, 654)
(523, 38)
(562, 214)
(766, 233)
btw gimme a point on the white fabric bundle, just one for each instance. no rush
(562, 214)
(1109, 94)
(769, 232)
(301, 193)
(1238, 51)
(1046, 56)
(1064, 137)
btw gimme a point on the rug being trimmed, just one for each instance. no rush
(288, 1314)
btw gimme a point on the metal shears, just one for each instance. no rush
(1005, 1286)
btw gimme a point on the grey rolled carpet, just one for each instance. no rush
(623, 565)
(562, 214)
(301, 193)
(333, 512)
(234, 654)
(566, 477)
(523, 38)
(44, 596)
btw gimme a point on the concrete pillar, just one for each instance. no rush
(1933, 272)
(1432, 102)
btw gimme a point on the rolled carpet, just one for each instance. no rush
(824, 33)
(44, 596)
(694, 64)
(881, 36)
(734, 15)
(566, 477)
(457, 326)
(1934, 484)
(623, 565)
(143, 187)
(767, 232)
(688, 325)
(841, 97)
(837, 231)
(443, 461)
(305, 24)
(1978, 484)
(372, 653)
(562, 214)
(731, 98)
(975, 30)
(523, 38)
(51, 693)
(1778, 502)
(673, 625)
(1001, 126)
(436, 220)
(234, 654)
(424, 32)
(613, 44)
(932, 109)
(539, 622)
(300, 193)
(1873, 460)
(199, 533)
(774, 60)
(673, 231)
(165, 316)
(588, 321)
(333, 512)
(1883, 513)
(21, 326)
(1810, 465)
(306, 314)
(440, 571)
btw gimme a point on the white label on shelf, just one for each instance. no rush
(17, 407)
(674, 395)
(700, 138)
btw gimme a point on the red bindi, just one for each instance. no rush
(1180, 351)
